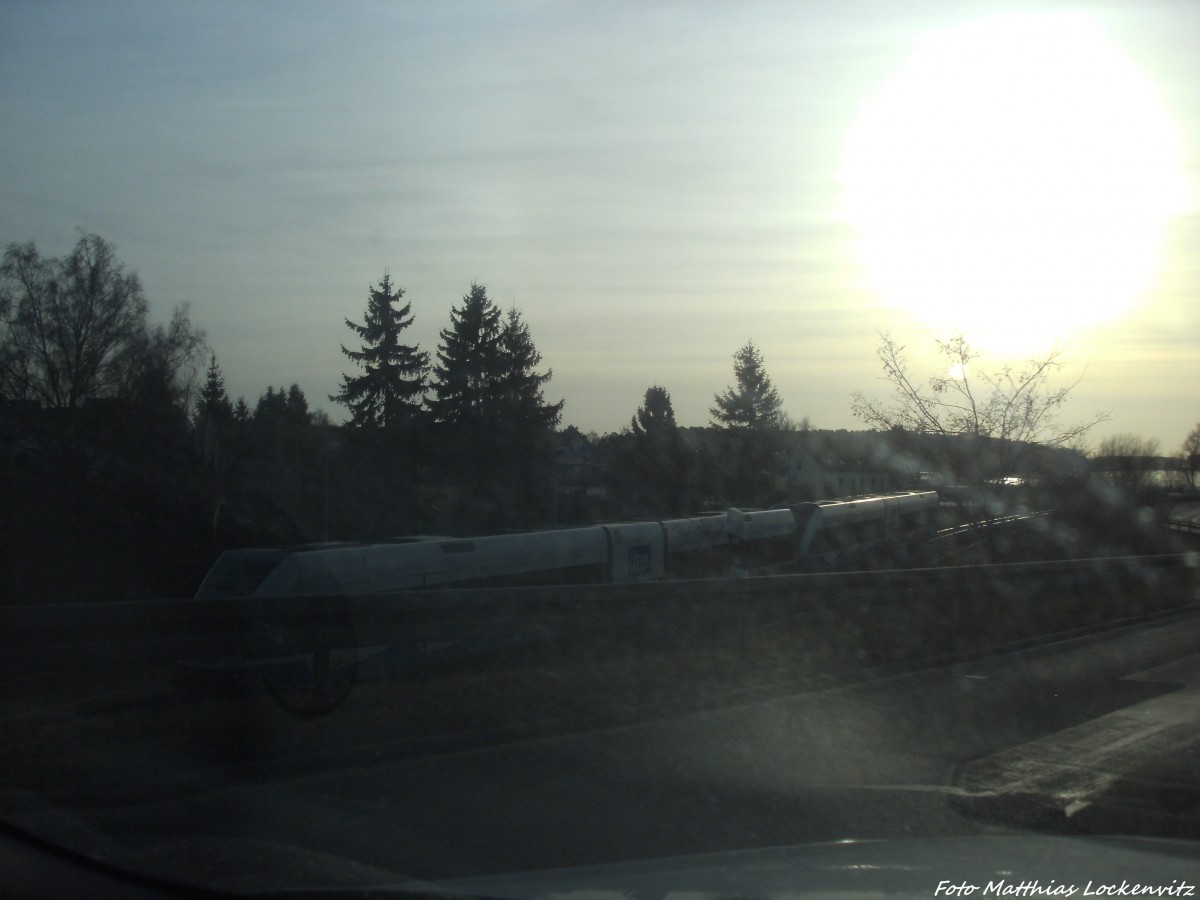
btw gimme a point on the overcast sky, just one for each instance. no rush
(653, 184)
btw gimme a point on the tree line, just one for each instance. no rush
(465, 439)
(125, 462)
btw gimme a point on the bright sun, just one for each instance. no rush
(1013, 181)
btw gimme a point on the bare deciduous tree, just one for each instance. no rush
(1191, 455)
(76, 328)
(70, 322)
(1127, 459)
(1005, 412)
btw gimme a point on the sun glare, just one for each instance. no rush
(1013, 180)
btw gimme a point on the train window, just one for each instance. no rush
(804, 515)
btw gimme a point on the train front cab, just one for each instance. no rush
(869, 532)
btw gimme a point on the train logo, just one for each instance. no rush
(639, 563)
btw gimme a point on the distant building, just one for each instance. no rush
(840, 464)
(575, 462)
(579, 491)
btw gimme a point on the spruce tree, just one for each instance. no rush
(520, 383)
(389, 391)
(753, 404)
(526, 425)
(213, 402)
(295, 405)
(658, 462)
(751, 421)
(468, 373)
(271, 406)
(497, 428)
(655, 418)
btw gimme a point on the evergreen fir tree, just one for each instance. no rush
(520, 382)
(390, 389)
(526, 425)
(658, 463)
(750, 415)
(497, 428)
(754, 403)
(283, 406)
(296, 405)
(469, 368)
(213, 402)
(655, 418)
(271, 406)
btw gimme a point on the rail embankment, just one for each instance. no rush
(297, 681)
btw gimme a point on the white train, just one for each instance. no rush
(864, 531)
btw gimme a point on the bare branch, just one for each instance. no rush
(1008, 410)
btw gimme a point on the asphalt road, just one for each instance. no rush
(1097, 735)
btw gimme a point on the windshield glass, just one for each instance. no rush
(535, 447)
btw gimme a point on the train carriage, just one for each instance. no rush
(826, 534)
(871, 531)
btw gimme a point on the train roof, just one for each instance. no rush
(903, 497)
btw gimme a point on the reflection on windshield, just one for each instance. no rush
(629, 448)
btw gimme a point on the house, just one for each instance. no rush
(826, 464)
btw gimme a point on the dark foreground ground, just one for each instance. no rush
(466, 770)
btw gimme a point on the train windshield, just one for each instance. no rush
(804, 515)
(238, 573)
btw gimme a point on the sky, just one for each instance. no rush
(651, 184)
